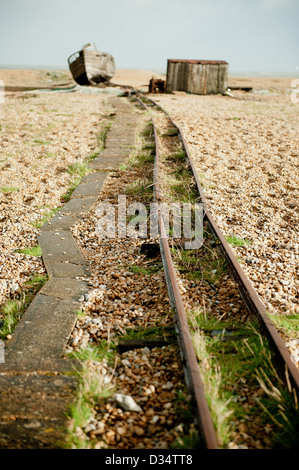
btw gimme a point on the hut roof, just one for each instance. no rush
(200, 61)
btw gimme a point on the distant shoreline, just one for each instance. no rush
(232, 73)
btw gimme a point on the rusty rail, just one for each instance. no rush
(193, 378)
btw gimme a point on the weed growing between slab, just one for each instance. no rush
(40, 222)
(12, 311)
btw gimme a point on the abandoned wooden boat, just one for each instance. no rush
(90, 66)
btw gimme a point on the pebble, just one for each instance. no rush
(127, 402)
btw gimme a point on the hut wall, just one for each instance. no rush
(202, 77)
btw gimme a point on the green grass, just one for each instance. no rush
(170, 133)
(48, 155)
(183, 408)
(10, 314)
(13, 309)
(202, 264)
(178, 184)
(102, 136)
(42, 142)
(250, 358)
(78, 169)
(36, 282)
(148, 130)
(288, 322)
(148, 333)
(188, 441)
(38, 223)
(67, 196)
(234, 240)
(143, 152)
(140, 186)
(92, 390)
(145, 270)
(34, 251)
(93, 155)
(97, 353)
(8, 189)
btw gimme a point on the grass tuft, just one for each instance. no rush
(13, 309)
(93, 387)
(8, 189)
(34, 251)
(243, 371)
(237, 241)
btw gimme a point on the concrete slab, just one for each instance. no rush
(118, 140)
(78, 207)
(64, 288)
(22, 386)
(59, 247)
(109, 164)
(44, 329)
(112, 153)
(33, 410)
(67, 269)
(39, 365)
(94, 177)
(59, 222)
(90, 186)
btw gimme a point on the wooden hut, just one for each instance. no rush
(201, 77)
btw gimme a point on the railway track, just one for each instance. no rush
(254, 307)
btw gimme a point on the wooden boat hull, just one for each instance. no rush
(90, 67)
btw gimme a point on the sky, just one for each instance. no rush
(251, 35)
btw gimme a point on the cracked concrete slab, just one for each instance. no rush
(67, 269)
(65, 288)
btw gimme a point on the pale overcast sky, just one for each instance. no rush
(252, 35)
